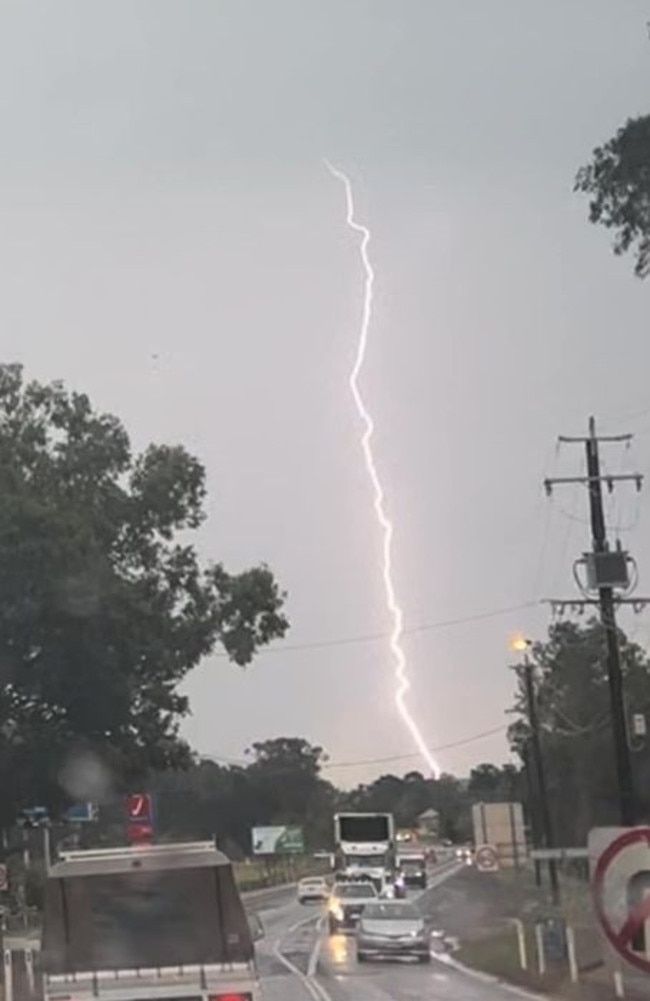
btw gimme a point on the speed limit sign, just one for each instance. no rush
(486, 859)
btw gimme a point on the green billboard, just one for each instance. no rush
(278, 841)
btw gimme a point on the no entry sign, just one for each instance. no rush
(621, 887)
(486, 859)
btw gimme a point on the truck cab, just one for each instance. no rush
(144, 923)
(412, 866)
(365, 847)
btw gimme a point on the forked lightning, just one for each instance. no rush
(386, 525)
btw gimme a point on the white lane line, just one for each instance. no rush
(299, 924)
(315, 990)
(440, 875)
(310, 981)
(311, 990)
(315, 952)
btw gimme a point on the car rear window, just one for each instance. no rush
(362, 892)
(391, 912)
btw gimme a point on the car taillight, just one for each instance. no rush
(230, 997)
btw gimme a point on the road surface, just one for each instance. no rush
(298, 961)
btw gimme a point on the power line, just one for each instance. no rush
(405, 757)
(374, 637)
(373, 761)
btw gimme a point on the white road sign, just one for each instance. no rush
(620, 872)
(486, 858)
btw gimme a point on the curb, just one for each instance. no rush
(488, 978)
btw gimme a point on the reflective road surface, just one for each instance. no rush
(298, 961)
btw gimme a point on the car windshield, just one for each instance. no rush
(314, 881)
(349, 890)
(391, 912)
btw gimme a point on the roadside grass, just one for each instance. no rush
(257, 874)
(488, 941)
(497, 954)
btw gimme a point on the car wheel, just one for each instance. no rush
(424, 957)
(362, 957)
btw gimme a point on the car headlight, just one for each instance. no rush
(336, 910)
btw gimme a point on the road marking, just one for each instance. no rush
(299, 924)
(441, 873)
(315, 952)
(316, 990)
(310, 981)
(296, 972)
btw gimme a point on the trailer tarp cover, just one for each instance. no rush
(137, 919)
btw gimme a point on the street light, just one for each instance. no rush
(522, 645)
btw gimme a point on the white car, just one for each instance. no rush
(312, 888)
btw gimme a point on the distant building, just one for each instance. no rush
(429, 823)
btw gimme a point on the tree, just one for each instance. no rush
(103, 610)
(575, 723)
(406, 798)
(618, 181)
(493, 784)
(288, 788)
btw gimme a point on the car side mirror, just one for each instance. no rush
(256, 927)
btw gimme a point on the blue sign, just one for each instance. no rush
(81, 813)
(35, 812)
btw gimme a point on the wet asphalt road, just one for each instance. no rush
(299, 961)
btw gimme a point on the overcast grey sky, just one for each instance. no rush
(162, 193)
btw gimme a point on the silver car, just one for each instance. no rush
(392, 928)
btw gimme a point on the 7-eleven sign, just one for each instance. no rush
(140, 818)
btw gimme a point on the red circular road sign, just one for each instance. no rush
(621, 940)
(486, 857)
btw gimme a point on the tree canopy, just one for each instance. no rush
(104, 605)
(575, 721)
(284, 784)
(618, 182)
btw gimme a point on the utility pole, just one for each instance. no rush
(533, 799)
(606, 571)
(542, 804)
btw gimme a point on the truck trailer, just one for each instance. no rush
(146, 923)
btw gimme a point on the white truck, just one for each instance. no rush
(145, 923)
(412, 866)
(365, 847)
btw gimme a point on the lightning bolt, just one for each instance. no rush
(386, 525)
